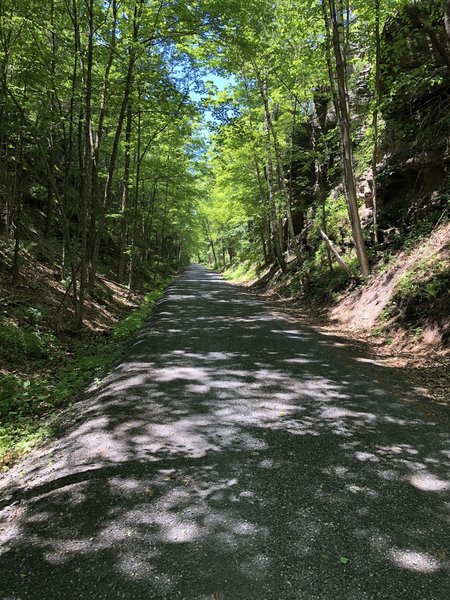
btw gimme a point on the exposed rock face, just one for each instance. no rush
(301, 174)
(413, 174)
(365, 188)
(416, 110)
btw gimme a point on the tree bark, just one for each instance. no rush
(97, 143)
(280, 169)
(85, 142)
(320, 187)
(337, 31)
(52, 109)
(278, 246)
(115, 148)
(267, 250)
(264, 196)
(5, 39)
(280, 172)
(18, 202)
(283, 186)
(335, 251)
(125, 198)
(377, 102)
(447, 18)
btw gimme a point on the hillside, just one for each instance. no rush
(45, 361)
(409, 293)
(42, 296)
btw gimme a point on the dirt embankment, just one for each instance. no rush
(368, 315)
(361, 309)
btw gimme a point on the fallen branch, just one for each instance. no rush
(335, 251)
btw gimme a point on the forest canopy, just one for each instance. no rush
(116, 143)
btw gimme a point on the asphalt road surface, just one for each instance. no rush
(234, 454)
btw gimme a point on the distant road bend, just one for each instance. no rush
(234, 454)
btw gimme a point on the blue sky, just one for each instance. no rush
(220, 82)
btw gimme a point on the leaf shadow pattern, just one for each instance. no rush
(233, 454)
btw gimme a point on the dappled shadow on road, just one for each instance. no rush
(235, 453)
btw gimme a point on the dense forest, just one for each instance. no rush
(302, 141)
(335, 151)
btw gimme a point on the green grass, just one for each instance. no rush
(29, 406)
(241, 272)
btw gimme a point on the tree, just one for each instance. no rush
(87, 91)
(335, 28)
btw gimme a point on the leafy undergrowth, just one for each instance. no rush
(404, 304)
(53, 373)
(44, 360)
(241, 272)
(421, 301)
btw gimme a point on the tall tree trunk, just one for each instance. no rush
(276, 229)
(52, 109)
(329, 60)
(87, 154)
(95, 213)
(213, 250)
(334, 96)
(135, 203)
(262, 197)
(4, 138)
(320, 186)
(282, 182)
(17, 240)
(18, 208)
(377, 102)
(125, 197)
(68, 146)
(324, 228)
(263, 244)
(279, 166)
(115, 148)
(151, 210)
(447, 18)
(337, 35)
(265, 201)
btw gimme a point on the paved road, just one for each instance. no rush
(234, 454)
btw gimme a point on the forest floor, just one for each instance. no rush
(37, 313)
(37, 316)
